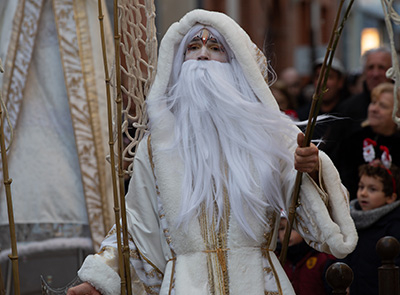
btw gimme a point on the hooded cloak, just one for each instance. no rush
(202, 260)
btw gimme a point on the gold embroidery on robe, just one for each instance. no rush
(215, 240)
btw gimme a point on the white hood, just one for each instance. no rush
(246, 52)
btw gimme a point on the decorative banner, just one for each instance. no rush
(76, 48)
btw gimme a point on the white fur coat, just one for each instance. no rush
(161, 254)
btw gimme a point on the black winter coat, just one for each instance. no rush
(364, 260)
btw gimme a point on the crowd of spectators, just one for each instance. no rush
(357, 132)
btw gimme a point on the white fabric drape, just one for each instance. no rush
(54, 89)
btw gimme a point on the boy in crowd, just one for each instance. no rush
(376, 213)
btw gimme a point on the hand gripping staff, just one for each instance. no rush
(312, 118)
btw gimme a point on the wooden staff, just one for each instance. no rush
(7, 186)
(112, 158)
(125, 250)
(2, 288)
(312, 118)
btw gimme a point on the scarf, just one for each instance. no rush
(364, 219)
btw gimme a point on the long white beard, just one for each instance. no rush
(229, 140)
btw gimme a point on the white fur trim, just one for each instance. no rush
(235, 36)
(191, 274)
(338, 232)
(100, 276)
(245, 262)
(339, 210)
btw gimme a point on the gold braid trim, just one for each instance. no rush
(221, 256)
(172, 281)
(89, 84)
(216, 248)
(75, 78)
(266, 253)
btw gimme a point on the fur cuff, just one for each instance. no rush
(342, 244)
(100, 276)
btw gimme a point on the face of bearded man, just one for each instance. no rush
(228, 141)
(233, 147)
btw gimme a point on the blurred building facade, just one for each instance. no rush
(292, 32)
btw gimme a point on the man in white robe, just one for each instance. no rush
(214, 174)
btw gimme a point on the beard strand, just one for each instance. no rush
(227, 139)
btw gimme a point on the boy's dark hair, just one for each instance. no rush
(390, 177)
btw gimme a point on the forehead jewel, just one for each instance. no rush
(205, 35)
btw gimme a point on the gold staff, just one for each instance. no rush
(316, 102)
(112, 158)
(7, 186)
(2, 288)
(125, 250)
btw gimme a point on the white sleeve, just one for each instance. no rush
(323, 214)
(149, 250)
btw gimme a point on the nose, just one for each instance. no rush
(203, 54)
(362, 191)
(202, 57)
(373, 107)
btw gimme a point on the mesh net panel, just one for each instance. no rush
(138, 50)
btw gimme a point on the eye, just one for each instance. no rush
(218, 48)
(385, 106)
(192, 47)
